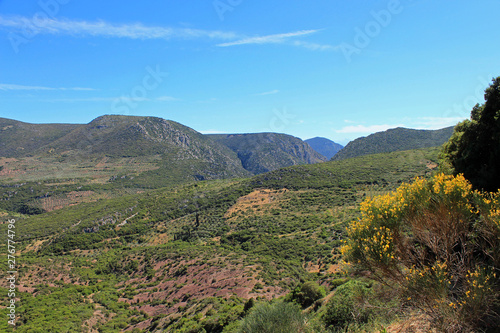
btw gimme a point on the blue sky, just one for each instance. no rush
(337, 69)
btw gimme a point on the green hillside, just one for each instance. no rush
(187, 258)
(142, 224)
(263, 152)
(22, 139)
(139, 152)
(396, 139)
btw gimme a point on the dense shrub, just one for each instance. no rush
(347, 305)
(438, 242)
(308, 293)
(275, 318)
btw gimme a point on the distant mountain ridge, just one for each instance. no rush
(324, 146)
(182, 154)
(179, 152)
(263, 152)
(18, 138)
(396, 139)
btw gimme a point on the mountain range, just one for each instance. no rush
(172, 153)
(263, 152)
(395, 139)
(324, 146)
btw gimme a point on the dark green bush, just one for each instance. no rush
(347, 305)
(308, 293)
(275, 318)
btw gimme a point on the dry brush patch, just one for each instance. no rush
(258, 200)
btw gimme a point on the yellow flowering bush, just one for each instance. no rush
(438, 242)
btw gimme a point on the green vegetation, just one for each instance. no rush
(275, 318)
(187, 258)
(22, 139)
(474, 148)
(396, 139)
(308, 293)
(37, 314)
(348, 306)
(437, 242)
(139, 224)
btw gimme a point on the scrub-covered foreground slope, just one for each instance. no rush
(188, 258)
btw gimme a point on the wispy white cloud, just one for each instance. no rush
(139, 31)
(5, 86)
(74, 100)
(268, 39)
(315, 46)
(272, 92)
(428, 123)
(106, 29)
(112, 99)
(436, 122)
(362, 129)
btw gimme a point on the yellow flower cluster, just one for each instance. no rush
(380, 244)
(492, 208)
(438, 271)
(345, 249)
(371, 235)
(456, 191)
(448, 184)
(432, 281)
(479, 283)
(391, 205)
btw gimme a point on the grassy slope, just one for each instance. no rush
(189, 256)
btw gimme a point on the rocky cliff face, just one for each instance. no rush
(263, 152)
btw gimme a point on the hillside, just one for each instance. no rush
(325, 147)
(396, 139)
(140, 152)
(22, 139)
(186, 259)
(263, 152)
(139, 224)
(134, 151)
